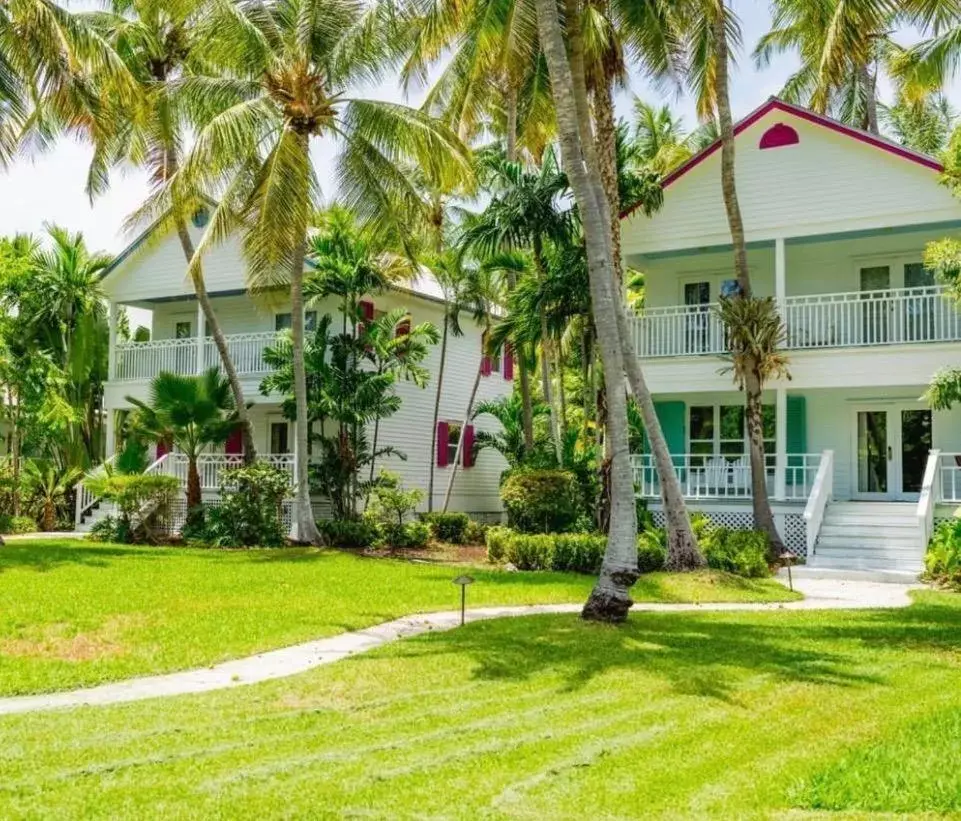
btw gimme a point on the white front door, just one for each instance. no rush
(891, 445)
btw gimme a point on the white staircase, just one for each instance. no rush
(869, 536)
(93, 515)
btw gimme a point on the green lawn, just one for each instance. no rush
(74, 613)
(728, 715)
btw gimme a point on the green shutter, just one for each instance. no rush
(671, 415)
(797, 432)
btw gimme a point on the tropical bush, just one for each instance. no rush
(540, 501)
(391, 506)
(651, 550)
(574, 552)
(475, 532)
(48, 488)
(743, 552)
(406, 535)
(250, 512)
(110, 529)
(144, 497)
(448, 527)
(364, 532)
(12, 525)
(942, 562)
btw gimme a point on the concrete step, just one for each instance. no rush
(873, 510)
(866, 563)
(849, 530)
(810, 571)
(869, 542)
(911, 555)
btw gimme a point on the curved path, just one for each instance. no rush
(820, 594)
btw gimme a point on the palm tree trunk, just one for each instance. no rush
(610, 600)
(561, 397)
(606, 138)
(303, 512)
(527, 404)
(753, 385)
(220, 341)
(868, 83)
(460, 440)
(194, 494)
(511, 124)
(432, 456)
(547, 357)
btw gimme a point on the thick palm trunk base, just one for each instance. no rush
(683, 555)
(610, 600)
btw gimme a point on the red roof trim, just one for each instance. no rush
(818, 119)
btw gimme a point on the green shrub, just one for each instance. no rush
(578, 552)
(743, 552)
(13, 525)
(942, 562)
(651, 550)
(530, 551)
(406, 535)
(251, 507)
(350, 532)
(540, 501)
(447, 527)
(496, 540)
(144, 497)
(475, 532)
(110, 529)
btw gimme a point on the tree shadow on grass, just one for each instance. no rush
(700, 654)
(46, 556)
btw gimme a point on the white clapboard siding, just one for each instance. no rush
(825, 183)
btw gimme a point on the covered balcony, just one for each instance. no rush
(901, 316)
(140, 361)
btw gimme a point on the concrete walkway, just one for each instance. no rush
(820, 594)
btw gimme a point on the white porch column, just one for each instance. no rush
(201, 337)
(780, 273)
(112, 343)
(110, 432)
(780, 444)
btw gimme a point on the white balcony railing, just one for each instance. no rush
(211, 466)
(144, 360)
(725, 477)
(857, 319)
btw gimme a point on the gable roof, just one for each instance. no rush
(822, 120)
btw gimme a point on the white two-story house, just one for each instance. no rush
(150, 276)
(836, 222)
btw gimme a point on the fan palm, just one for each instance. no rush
(49, 487)
(191, 412)
(284, 70)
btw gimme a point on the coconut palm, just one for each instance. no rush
(924, 124)
(284, 71)
(753, 334)
(659, 140)
(191, 412)
(509, 440)
(160, 44)
(842, 47)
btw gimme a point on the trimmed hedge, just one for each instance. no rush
(447, 527)
(349, 532)
(742, 552)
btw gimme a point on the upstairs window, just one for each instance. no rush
(284, 321)
(183, 330)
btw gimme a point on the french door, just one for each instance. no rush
(891, 445)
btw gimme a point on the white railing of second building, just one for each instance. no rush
(929, 497)
(246, 352)
(144, 360)
(211, 466)
(725, 477)
(679, 330)
(821, 493)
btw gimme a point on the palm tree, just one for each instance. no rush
(509, 441)
(191, 412)
(63, 305)
(160, 43)
(753, 334)
(49, 487)
(660, 142)
(842, 47)
(526, 213)
(283, 73)
(924, 124)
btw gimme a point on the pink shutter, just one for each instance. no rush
(162, 448)
(442, 444)
(468, 446)
(485, 365)
(403, 328)
(367, 310)
(234, 446)
(508, 361)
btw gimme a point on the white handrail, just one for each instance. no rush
(210, 466)
(821, 494)
(718, 476)
(929, 498)
(85, 499)
(144, 360)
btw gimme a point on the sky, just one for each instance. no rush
(49, 187)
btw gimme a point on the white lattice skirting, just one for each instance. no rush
(790, 525)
